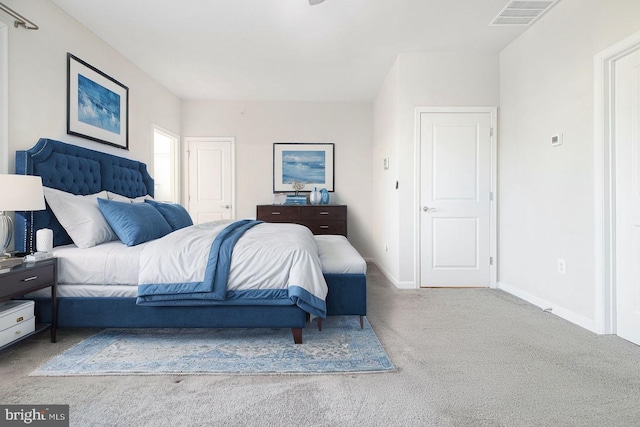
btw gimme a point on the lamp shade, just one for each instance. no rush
(21, 193)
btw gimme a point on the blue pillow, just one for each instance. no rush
(176, 215)
(134, 223)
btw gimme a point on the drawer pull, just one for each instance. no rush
(324, 213)
(19, 319)
(324, 226)
(28, 279)
(18, 332)
(275, 213)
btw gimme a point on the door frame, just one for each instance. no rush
(4, 98)
(493, 233)
(605, 316)
(185, 163)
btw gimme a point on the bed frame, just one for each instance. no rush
(83, 171)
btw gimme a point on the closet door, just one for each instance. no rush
(210, 174)
(455, 151)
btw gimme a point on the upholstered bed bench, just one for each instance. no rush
(345, 273)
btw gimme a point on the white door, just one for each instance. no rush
(210, 179)
(627, 196)
(455, 162)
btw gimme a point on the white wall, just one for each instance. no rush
(385, 197)
(433, 79)
(257, 125)
(546, 195)
(38, 84)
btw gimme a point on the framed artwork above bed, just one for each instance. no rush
(305, 163)
(97, 105)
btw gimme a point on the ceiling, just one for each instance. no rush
(285, 50)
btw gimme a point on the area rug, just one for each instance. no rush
(341, 347)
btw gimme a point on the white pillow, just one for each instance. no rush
(120, 198)
(117, 197)
(141, 199)
(81, 217)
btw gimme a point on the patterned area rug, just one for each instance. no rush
(341, 347)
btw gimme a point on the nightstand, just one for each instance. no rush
(28, 277)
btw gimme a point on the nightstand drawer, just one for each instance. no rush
(24, 280)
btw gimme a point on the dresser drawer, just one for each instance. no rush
(24, 280)
(324, 213)
(327, 227)
(277, 213)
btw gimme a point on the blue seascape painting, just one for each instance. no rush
(98, 106)
(304, 166)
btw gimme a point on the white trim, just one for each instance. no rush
(562, 312)
(493, 253)
(4, 98)
(604, 185)
(395, 282)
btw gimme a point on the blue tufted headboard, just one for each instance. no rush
(76, 170)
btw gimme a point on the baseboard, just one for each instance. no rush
(392, 279)
(562, 312)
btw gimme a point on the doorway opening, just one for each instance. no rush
(606, 274)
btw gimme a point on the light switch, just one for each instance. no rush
(556, 140)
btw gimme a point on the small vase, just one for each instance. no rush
(324, 196)
(314, 196)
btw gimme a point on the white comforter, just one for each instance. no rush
(267, 257)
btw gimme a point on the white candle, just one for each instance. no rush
(44, 240)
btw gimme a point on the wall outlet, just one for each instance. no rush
(562, 266)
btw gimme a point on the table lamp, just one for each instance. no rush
(17, 193)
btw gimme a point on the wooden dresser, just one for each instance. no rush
(320, 219)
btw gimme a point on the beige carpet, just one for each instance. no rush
(465, 357)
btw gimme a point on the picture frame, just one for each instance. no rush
(97, 105)
(312, 164)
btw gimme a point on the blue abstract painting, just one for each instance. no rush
(98, 106)
(304, 166)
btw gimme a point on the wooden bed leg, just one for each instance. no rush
(361, 322)
(319, 323)
(297, 335)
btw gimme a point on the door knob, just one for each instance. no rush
(428, 209)
(226, 206)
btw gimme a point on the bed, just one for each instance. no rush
(109, 302)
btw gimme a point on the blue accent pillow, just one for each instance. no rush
(134, 223)
(176, 215)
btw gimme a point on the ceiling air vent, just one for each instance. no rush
(522, 12)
